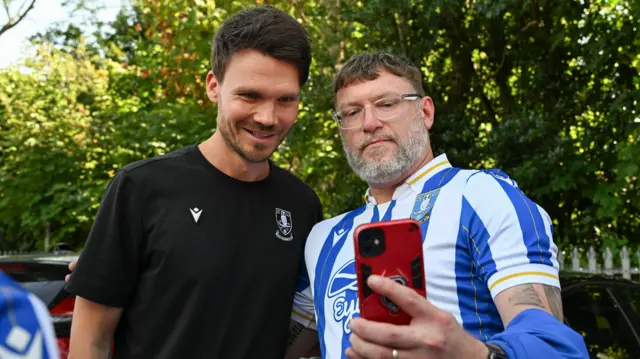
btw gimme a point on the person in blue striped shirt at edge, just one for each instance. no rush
(26, 331)
(490, 260)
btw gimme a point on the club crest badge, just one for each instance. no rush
(285, 225)
(423, 205)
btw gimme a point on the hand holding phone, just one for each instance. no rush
(391, 249)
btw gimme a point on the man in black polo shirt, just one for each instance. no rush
(196, 253)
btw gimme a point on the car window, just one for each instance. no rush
(43, 280)
(591, 311)
(45, 291)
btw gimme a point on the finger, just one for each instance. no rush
(72, 266)
(388, 335)
(366, 349)
(351, 354)
(67, 277)
(404, 297)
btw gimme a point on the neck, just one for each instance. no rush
(222, 156)
(383, 192)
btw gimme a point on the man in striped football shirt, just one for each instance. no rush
(490, 259)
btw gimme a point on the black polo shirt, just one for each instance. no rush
(204, 265)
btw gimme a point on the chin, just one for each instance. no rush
(379, 155)
(257, 156)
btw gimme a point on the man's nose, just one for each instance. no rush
(370, 122)
(266, 114)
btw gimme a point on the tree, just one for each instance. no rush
(545, 90)
(15, 19)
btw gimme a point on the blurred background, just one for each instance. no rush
(546, 90)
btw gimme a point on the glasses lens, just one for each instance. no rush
(349, 117)
(388, 107)
(385, 108)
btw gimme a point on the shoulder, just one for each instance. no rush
(294, 184)
(325, 232)
(321, 233)
(488, 194)
(143, 167)
(323, 229)
(493, 192)
(140, 173)
(488, 182)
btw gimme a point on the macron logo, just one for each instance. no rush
(195, 212)
(337, 235)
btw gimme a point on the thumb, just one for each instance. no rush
(404, 297)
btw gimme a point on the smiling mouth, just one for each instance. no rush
(259, 134)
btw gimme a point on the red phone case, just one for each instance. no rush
(402, 260)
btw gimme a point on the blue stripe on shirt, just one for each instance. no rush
(352, 296)
(532, 225)
(474, 266)
(376, 215)
(303, 277)
(388, 214)
(324, 266)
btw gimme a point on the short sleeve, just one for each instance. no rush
(320, 213)
(107, 270)
(303, 311)
(26, 330)
(510, 237)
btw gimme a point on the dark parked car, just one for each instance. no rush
(605, 310)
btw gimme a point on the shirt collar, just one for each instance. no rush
(416, 181)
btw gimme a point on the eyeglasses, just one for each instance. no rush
(385, 109)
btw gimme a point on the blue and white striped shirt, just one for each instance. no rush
(481, 235)
(26, 331)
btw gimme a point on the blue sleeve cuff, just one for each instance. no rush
(535, 333)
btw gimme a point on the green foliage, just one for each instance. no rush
(47, 171)
(545, 90)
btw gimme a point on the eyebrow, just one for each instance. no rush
(240, 90)
(376, 97)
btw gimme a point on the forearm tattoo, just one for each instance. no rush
(294, 331)
(540, 296)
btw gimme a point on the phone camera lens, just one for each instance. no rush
(371, 242)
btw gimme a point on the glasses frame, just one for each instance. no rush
(404, 97)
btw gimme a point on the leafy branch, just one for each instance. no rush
(16, 19)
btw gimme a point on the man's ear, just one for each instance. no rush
(428, 111)
(213, 87)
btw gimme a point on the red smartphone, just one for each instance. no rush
(391, 249)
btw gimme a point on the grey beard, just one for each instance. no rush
(391, 169)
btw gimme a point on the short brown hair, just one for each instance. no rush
(366, 66)
(267, 29)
